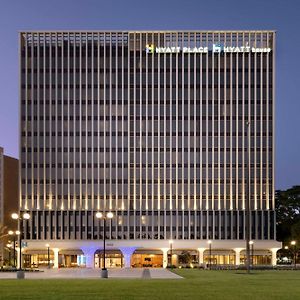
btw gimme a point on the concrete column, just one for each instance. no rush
(201, 255)
(274, 256)
(238, 256)
(89, 254)
(127, 253)
(165, 256)
(55, 252)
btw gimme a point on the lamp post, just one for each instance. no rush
(9, 254)
(209, 243)
(25, 216)
(171, 252)
(251, 243)
(100, 215)
(14, 234)
(293, 243)
(286, 248)
(48, 255)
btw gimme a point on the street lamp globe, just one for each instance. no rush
(26, 216)
(47, 245)
(10, 232)
(170, 242)
(251, 242)
(98, 215)
(110, 215)
(18, 232)
(209, 242)
(15, 216)
(293, 243)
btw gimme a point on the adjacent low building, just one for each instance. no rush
(9, 203)
(153, 127)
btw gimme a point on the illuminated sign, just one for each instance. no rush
(149, 48)
(167, 49)
(195, 50)
(216, 48)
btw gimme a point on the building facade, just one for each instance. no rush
(153, 127)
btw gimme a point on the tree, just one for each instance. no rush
(288, 214)
(3, 232)
(185, 257)
(295, 231)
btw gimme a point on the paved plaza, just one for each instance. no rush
(95, 273)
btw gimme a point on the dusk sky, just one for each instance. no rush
(282, 16)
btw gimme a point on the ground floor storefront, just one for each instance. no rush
(146, 254)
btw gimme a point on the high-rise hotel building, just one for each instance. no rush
(153, 127)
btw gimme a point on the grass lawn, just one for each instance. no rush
(197, 284)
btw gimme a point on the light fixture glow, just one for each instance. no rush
(18, 232)
(47, 245)
(98, 215)
(251, 242)
(26, 216)
(170, 242)
(10, 232)
(15, 216)
(209, 242)
(293, 243)
(110, 215)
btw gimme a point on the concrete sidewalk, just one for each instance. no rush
(78, 273)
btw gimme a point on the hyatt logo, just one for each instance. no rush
(149, 48)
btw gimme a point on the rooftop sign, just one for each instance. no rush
(216, 48)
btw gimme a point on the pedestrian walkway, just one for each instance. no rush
(82, 273)
(146, 274)
(163, 274)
